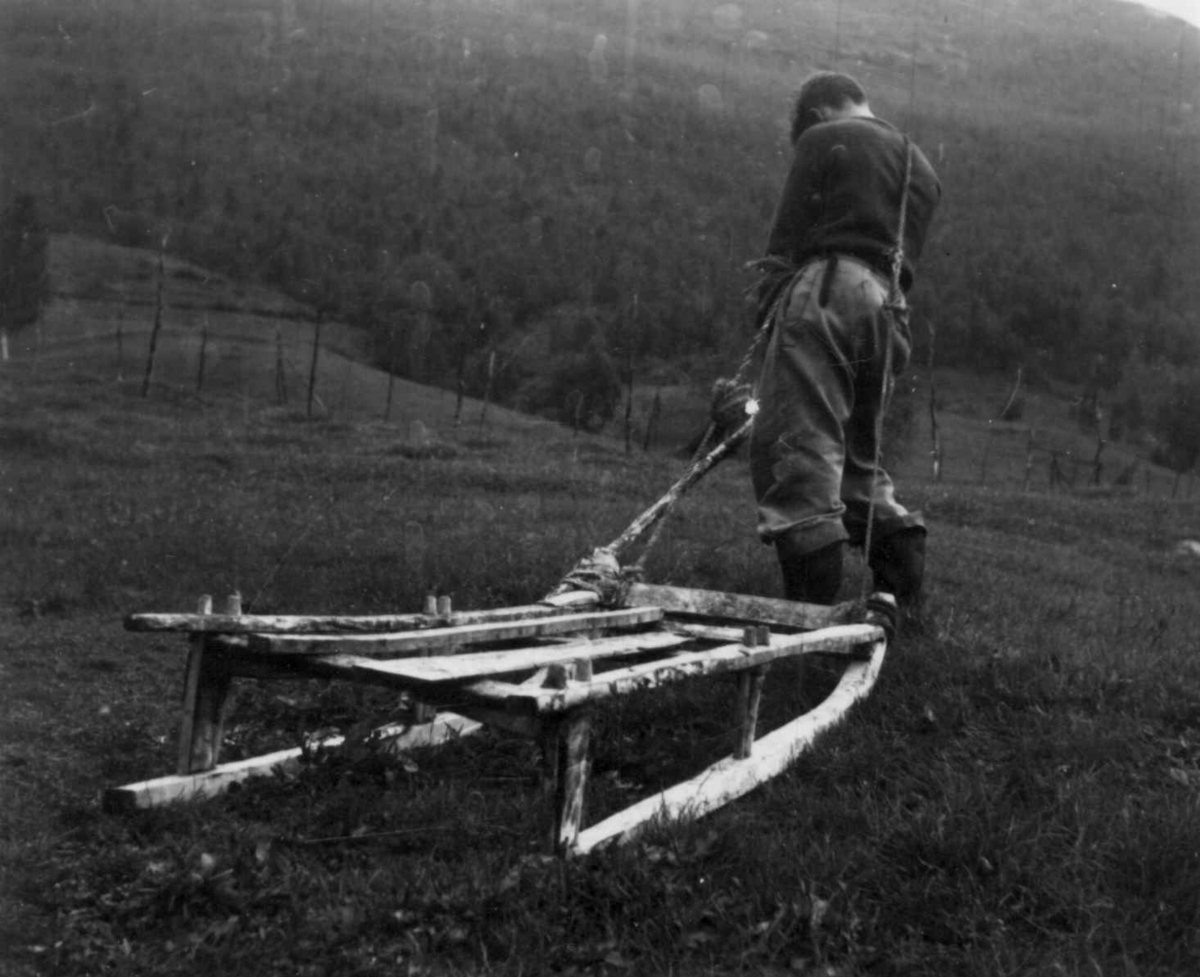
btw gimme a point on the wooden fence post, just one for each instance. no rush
(312, 369)
(1029, 460)
(579, 405)
(344, 396)
(391, 370)
(629, 379)
(1012, 397)
(1097, 464)
(387, 404)
(655, 411)
(936, 447)
(280, 378)
(460, 394)
(629, 404)
(983, 464)
(120, 347)
(487, 390)
(203, 352)
(158, 307)
(244, 379)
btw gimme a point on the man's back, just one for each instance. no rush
(843, 195)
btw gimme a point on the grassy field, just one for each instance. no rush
(1019, 796)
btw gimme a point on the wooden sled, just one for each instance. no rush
(559, 661)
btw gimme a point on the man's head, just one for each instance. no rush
(827, 95)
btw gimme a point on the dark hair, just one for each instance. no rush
(823, 89)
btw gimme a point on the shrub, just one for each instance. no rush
(578, 388)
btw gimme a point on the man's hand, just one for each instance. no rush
(732, 406)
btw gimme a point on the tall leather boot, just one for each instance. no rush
(813, 578)
(897, 564)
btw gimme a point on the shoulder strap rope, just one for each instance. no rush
(895, 302)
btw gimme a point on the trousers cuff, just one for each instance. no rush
(802, 539)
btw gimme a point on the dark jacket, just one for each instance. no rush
(843, 193)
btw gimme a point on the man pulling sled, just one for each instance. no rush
(848, 231)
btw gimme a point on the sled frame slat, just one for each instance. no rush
(416, 641)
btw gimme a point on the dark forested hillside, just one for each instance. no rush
(566, 179)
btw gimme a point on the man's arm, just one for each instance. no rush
(815, 156)
(789, 226)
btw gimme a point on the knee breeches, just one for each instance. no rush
(825, 383)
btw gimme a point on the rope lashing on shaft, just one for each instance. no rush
(601, 573)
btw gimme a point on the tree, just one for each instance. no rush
(1178, 426)
(24, 279)
(561, 367)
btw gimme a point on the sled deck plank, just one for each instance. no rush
(724, 658)
(452, 637)
(722, 634)
(741, 607)
(465, 667)
(334, 624)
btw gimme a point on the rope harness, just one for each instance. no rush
(733, 410)
(893, 306)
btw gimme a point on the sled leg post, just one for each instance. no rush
(205, 695)
(424, 712)
(570, 739)
(566, 745)
(556, 677)
(749, 696)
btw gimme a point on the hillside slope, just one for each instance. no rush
(102, 314)
(549, 154)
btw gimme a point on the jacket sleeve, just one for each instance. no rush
(789, 225)
(814, 162)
